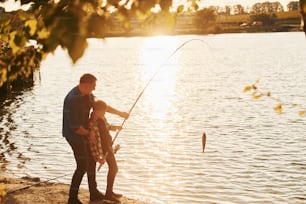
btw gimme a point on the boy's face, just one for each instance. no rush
(100, 112)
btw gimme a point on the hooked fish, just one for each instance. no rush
(203, 141)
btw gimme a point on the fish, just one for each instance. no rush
(203, 141)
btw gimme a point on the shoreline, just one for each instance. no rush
(30, 190)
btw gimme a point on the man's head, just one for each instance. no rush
(87, 83)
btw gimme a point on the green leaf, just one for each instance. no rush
(32, 24)
(20, 40)
(76, 49)
(180, 9)
(12, 43)
(279, 108)
(3, 76)
(247, 88)
(43, 34)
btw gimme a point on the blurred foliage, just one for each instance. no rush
(267, 7)
(27, 37)
(303, 13)
(267, 19)
(257, 94)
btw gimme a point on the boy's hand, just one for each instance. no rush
(124, 115)
(115, 128)
(102, 161)
(118, 128)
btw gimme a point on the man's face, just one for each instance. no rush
(89, 87)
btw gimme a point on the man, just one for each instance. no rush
(77, 105)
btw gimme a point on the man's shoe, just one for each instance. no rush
(96, 196)
(74, 201)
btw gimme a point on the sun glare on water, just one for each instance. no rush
(158, 65)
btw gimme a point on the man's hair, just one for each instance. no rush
(99, 105)
(88, 78)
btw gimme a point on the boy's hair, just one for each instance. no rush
(88, 78)
(99, 105)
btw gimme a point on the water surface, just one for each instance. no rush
(253, 155)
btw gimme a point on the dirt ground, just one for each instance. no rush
(33, 191)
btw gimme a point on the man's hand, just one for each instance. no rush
(82, 131)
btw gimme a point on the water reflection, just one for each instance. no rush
(159, 71)
(9, 150)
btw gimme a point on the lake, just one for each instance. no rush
(253, 154)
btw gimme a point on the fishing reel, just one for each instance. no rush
(116, 148)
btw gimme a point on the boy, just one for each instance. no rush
(102, 148)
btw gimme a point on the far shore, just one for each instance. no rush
(28, 190)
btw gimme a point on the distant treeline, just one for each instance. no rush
(257, 8)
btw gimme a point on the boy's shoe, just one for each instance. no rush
(111, 198)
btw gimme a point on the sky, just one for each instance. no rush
(11, 5)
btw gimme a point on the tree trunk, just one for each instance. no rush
(303, 13)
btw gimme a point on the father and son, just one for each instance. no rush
(87, 132)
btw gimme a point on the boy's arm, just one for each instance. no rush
(115, 127)
(112, 110)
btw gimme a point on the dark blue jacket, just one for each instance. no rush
(76, 113)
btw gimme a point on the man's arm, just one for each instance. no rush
(90, 135)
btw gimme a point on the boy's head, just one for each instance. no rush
(99, 106)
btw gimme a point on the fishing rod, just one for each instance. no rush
(153, 76)
(143, 90)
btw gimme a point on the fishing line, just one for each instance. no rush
(154, 75)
